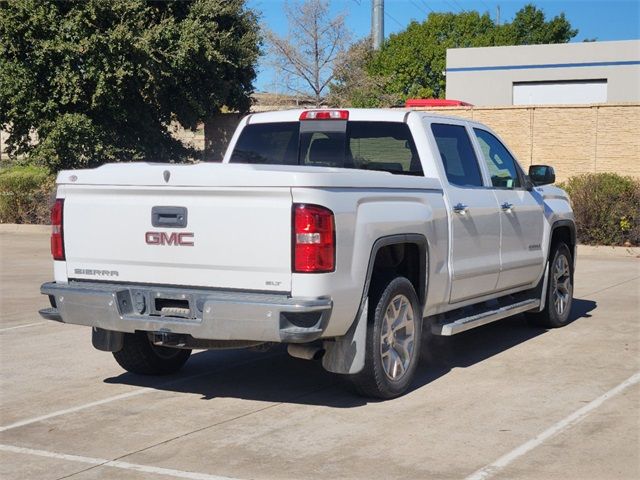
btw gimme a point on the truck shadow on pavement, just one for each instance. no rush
(276, 377)
(443, 354)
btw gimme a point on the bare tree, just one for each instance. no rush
(306, 55)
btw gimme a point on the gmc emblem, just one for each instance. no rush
(184, 239)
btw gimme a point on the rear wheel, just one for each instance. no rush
(559, 294)
(393, 342)
(139, 355)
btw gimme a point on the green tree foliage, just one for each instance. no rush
(88, 81)
(529, 27)
(353, 83)
(411, 63)
(414, 59)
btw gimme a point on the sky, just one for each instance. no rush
(600, 19)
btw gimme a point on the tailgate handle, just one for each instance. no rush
(169, 217)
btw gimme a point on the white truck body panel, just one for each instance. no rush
(361, 219)
(240, 216)
(105, 231)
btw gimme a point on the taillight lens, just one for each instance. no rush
(57, 240)
(313, 239)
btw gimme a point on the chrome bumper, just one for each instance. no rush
(211, 315)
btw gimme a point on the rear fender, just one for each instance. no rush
(346, 354)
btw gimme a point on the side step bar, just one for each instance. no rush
(483, 317)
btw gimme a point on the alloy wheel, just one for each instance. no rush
(561, 284)
(397, 337)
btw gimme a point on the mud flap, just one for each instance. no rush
(542, 287)
(346, 354)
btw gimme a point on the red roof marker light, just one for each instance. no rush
(325, 115)
(435, 102)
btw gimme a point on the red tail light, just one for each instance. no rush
(313, 239)
(325, 115)
(57, 240)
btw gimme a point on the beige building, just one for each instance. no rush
(569, 73)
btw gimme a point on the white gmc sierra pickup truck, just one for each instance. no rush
(350, 235)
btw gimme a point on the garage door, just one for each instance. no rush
(565, 92)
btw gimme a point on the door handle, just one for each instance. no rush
(169, 217)
(506, 206)
(460, 208)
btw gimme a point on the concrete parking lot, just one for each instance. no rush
(503, 401)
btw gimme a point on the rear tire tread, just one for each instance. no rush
(138, 356)
(372, 381)
(548, 317)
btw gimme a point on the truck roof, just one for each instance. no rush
(355, 114)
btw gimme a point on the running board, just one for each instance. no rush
(483, 317)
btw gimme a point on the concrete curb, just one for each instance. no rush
(604, 251)
(24, 228)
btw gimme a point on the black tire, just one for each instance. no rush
(559, 294)
(390, 353)
(139, 355)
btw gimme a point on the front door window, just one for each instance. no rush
(501, 165)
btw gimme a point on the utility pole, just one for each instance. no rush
(498, 15)
(377, 23)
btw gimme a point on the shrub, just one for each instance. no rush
(606, 207)
(25, 193)
(71, 141)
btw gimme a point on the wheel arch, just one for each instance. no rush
(414, 247)
(565, 231)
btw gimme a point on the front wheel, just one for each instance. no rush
(139, 355)
(394, 330)
(559, 294)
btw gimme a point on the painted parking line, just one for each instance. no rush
(66, 411)
(122, 396)
(567, 422)
(22, 326)
(103, 462)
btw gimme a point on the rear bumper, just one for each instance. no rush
(211, 315)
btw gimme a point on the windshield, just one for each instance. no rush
(385, 146)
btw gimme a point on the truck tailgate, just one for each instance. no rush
(234, 238)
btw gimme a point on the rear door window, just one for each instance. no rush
(458, 158)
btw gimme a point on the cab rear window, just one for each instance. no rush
(268, 143)
(384, 146)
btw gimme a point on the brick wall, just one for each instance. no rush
(573, 139)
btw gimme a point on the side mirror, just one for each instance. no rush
(541, 175)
